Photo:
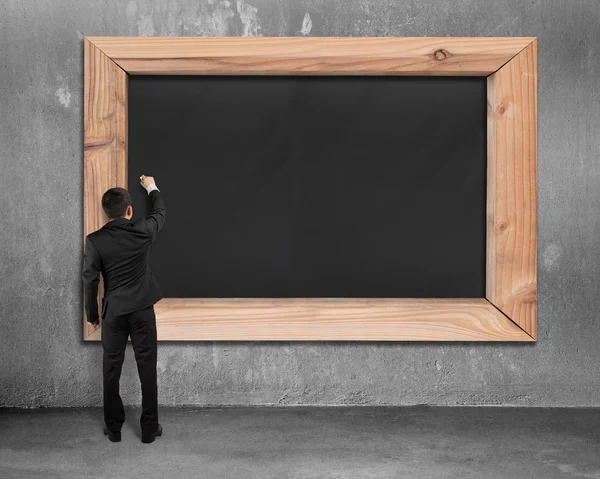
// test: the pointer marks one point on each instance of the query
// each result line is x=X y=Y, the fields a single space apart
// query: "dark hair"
x=115 y=202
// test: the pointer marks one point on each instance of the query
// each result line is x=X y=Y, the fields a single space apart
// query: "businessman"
x=119 y=250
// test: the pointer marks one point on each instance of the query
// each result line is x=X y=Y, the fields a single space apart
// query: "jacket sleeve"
x=156 y=219
x=92 y=266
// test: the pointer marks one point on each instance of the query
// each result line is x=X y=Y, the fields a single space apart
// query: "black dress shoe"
x=148 y=438
x=112 y=436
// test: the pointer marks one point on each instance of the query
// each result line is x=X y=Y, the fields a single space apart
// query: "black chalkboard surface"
x=313 y=186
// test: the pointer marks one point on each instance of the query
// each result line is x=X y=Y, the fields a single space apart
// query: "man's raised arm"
x=156 y=219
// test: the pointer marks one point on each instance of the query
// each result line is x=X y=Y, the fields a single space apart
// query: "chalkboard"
x=288 y=186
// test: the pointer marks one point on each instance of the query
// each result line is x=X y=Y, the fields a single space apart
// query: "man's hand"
x=146 y=181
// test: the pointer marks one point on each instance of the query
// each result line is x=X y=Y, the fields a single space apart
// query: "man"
x=120 y=251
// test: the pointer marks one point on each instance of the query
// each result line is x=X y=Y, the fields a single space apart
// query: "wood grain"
x=511 y=283
x=336 y=319
x=472 y=56
x=104 y=142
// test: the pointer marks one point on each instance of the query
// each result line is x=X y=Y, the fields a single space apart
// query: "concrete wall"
x=43 y=361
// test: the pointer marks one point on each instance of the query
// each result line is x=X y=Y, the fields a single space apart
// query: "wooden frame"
x=508 y=313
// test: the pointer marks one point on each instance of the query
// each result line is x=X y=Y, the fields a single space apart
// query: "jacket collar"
x=116 y=222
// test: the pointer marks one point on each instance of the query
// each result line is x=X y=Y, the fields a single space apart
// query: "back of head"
x=115 y=202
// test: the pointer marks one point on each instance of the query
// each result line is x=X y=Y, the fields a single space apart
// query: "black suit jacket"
x=120 y=250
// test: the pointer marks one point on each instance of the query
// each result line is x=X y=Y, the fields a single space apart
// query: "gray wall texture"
x=43 y=361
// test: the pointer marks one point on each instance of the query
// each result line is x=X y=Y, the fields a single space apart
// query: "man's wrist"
x=151 y=188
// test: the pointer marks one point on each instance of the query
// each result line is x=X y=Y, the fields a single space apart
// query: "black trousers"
x=141 y=326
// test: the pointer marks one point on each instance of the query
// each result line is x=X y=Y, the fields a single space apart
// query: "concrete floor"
x=306 y=442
